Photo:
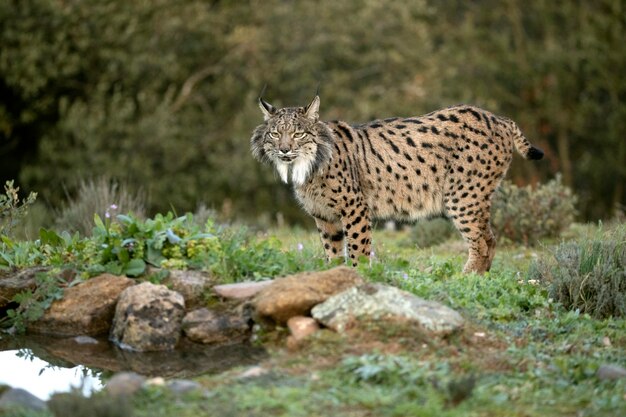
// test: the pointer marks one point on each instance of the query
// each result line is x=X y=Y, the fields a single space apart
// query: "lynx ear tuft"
x=267 y=109
x=312 y=110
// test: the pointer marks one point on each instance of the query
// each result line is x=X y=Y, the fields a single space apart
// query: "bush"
x=12 y=210
x=526 y=214
x=432 y=232
x=588 y=275
x=102 y=197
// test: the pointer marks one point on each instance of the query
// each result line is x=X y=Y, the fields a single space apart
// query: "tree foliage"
x=161 y=94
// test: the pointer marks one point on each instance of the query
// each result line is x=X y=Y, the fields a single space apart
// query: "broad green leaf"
x=135 y=268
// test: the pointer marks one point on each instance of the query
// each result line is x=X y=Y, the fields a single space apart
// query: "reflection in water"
x=20 y=369
x=43 y=365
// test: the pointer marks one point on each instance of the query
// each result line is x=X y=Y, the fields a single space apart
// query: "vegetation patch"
x=588 y=275
x=527 y=214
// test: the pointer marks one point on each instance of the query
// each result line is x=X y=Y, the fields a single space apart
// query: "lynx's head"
x=293 y=139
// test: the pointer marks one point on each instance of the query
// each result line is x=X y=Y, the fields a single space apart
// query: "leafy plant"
x=588 y=275
x=12 y=209
x=33 y=303
x=526 y=214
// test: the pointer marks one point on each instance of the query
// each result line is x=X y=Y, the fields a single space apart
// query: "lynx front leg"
x=331 y=234
x=357 y=228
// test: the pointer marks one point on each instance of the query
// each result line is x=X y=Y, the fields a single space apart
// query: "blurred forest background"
x=161 y=94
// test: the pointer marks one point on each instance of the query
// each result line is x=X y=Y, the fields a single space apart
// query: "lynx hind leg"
x=332 y=236
x=476 y=232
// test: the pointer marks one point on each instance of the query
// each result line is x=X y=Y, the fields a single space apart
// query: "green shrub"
x=12 y=209
x=526 y=214
x=103 y=197
x=588 y=275
x=431 y=232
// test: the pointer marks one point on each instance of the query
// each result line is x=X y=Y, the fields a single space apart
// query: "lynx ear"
x=267 y=109
x=312 y=110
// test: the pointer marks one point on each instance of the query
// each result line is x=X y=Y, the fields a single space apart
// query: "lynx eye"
x=299 y=135
x=274 y=135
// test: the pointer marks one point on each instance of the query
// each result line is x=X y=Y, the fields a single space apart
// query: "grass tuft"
x=101 y=196
x=588 y=275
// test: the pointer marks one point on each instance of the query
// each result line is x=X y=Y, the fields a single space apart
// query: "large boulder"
x=85 y=309
x=148 y=318
x=14 y=282
x=213 y=326
x=295 y=295
x=377 y=301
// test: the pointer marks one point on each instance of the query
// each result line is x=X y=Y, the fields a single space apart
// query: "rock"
x=19 y=398
x=183 y=386
x=379 y=301
x=240 y=290
x=610 y=372
x=210 y=326
x=13 y=282
x=125 y=384
x=85 y=340
x=192 y=285
x=148 y=318
x=295 y=295
x=253 y=372
x=301 y=327
x=85 y=309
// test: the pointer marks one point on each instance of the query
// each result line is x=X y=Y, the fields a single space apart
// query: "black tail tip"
x=534 y=153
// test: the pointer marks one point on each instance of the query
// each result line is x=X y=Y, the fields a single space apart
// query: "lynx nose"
x=284 y=148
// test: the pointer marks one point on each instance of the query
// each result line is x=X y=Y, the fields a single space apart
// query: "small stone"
x=295 y=295
x=18 y=397
x=292 y=343
x=192 y=285
x=157 y=381
x=606 y=341
x=253 y=372
x=125 y=384
x=301 y=327
x=148 y=318
x=183 y=386
x=211 y=326
x=610 y=372
x=240 y=290
x=85 y=340
x=377 y=301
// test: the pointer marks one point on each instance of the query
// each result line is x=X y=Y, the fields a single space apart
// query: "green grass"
x=520 y=354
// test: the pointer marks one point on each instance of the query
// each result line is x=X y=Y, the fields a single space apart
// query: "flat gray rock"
x=377 y=301
x=240 y=290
